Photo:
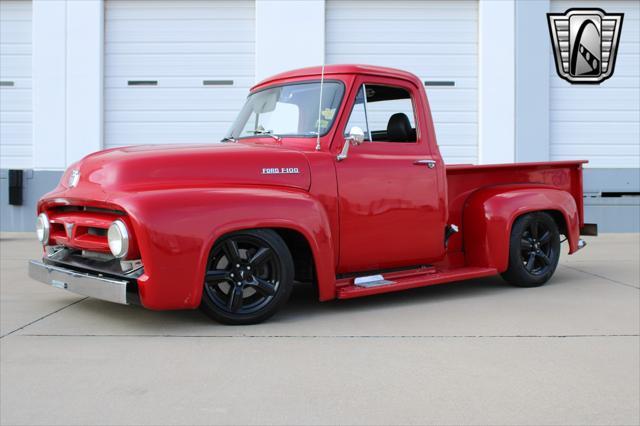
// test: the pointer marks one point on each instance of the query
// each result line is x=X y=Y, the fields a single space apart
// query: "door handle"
x=429 y=163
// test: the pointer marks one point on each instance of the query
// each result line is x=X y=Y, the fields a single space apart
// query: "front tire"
x=249 y=277
x=534 y=250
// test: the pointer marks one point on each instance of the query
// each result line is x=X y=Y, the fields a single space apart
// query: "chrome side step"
x=371 y=281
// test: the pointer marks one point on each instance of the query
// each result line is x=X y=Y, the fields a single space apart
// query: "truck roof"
x=340 y=69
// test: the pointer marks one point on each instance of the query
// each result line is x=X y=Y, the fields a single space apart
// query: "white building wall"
x=496 y=81
x=67 y=81
x=289 y=35
x=532 y=55
x=84 y=82
x=49 y=84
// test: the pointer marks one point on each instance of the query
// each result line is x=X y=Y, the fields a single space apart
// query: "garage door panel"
x=152 y=10
x=15 y=117
x=462 y=32
x=23 y=48
x=16 y=141
x=602 y=162
x=152 y=98
x=453 y=100
x=170 y=65
x=241 y=84
x=589 y=134
x=617 y=82
x=445 y=117
x=449 y=66
x=21 y=155
x=450 y=10
x=600 y=98
x=19 y=133
x=405 y=48
x=12 y=66
x=152 y=133
x=558 y=116
x=175 y=48
x=177 y=32
x=603 y=149
x=179 y=45
x=459 y=154
x=175 y=116
x=16 y=30
x=611 y=6
x=15 y=10
x=464 y=134
x=436 y=40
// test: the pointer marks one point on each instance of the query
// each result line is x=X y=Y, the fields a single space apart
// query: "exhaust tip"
x=581 y=244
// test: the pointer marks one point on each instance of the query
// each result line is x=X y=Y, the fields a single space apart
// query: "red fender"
x=176 y=230
x=489 y=214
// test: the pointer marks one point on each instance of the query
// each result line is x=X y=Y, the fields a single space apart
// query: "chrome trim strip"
x=108 y=289
x=366 y=113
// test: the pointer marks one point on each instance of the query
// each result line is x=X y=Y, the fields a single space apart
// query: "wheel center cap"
x=244 y=275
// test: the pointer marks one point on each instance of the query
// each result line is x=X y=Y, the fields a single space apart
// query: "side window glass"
x=358 y=117
x=390 y=114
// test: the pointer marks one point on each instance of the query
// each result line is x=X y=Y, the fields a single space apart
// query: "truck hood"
x=156 y=167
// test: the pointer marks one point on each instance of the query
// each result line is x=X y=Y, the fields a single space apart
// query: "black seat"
x=399 y=128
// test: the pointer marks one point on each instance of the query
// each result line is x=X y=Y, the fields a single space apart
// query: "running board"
x=426 y=277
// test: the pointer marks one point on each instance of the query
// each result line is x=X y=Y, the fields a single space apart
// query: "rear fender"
x=489 y=214
x=178 y=228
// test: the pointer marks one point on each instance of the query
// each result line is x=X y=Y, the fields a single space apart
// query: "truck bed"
x=464 y=179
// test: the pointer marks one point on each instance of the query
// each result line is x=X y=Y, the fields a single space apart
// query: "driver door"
x=388 y=194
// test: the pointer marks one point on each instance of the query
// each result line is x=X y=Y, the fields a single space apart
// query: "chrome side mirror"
x=355 y=138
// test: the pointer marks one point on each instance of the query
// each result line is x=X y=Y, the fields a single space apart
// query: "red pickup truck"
x=330 y=176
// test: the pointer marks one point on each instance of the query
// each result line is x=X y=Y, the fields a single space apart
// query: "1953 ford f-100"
x=330 y=176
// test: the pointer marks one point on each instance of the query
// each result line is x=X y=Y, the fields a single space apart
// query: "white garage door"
x=175 y=71
x=601 y=123
x=436 y=40
x=15 y=85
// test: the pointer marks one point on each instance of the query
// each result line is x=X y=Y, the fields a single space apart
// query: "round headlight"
x=118 y=238
x=42 y=228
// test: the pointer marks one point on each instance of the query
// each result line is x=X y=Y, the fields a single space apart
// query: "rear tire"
x=249 y=277
x=534 y=250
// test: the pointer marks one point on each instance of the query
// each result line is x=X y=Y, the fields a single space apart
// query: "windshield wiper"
x=266 y=133
x=229 y=139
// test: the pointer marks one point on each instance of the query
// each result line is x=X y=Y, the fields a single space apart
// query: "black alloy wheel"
x=249 y=277
x=534 y=250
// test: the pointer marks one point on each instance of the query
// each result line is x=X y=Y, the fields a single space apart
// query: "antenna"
x=318 y=147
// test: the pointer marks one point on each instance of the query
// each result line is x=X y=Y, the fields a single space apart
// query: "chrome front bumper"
x=110 y=289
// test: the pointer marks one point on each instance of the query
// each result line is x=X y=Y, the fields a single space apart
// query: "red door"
x=388 y=189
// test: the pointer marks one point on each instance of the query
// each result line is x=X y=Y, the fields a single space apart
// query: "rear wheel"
x=534 y=250
x=249 y=277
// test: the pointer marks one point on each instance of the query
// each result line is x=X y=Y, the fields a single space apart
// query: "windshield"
x=290 y=110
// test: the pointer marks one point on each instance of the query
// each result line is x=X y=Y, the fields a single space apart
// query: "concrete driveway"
x=477 y=352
